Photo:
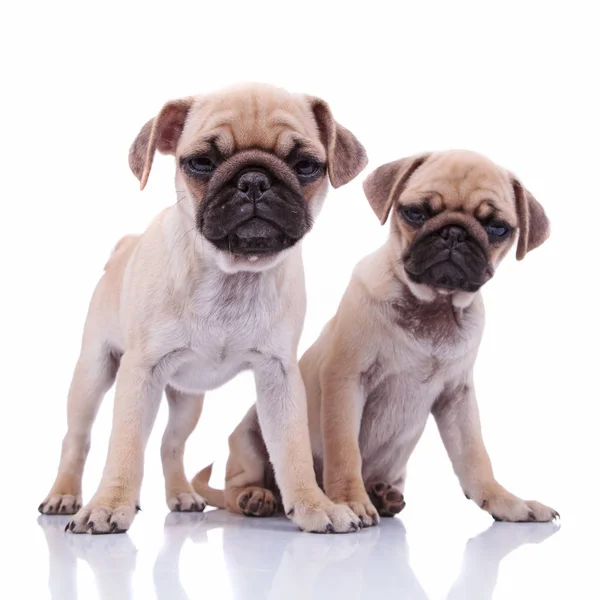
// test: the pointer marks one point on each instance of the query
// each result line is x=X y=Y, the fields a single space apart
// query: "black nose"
x=254 y=184
x=453 y=233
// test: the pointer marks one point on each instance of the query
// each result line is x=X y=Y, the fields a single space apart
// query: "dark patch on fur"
x=438 y=321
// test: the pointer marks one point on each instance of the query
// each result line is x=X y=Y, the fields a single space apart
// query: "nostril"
x=454 y=232
x=253 y=183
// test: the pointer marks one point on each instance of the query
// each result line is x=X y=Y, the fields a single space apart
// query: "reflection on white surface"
x=111 y=558
x=266 y=559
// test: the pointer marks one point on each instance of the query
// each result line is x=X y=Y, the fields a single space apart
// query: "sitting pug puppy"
x=213 y=287
x=404 y=341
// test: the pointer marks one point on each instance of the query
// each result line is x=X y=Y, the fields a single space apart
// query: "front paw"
x=103 y=517
x=364 y=509
x=185 y=501
x=504 y=506
x=324 y=517
x=60 y=504
x=360 y=504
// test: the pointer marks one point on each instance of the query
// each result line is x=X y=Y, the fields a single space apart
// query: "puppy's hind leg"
x=184 y=413
x=387 y=498
x=249 y=484
x=94 y=374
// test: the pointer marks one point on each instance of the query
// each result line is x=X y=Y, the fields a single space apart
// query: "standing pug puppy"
x=213 y=287
x=404 y=340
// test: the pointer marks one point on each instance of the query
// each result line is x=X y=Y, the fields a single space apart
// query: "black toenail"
x=532 y=516
x=178 y=506
x=72 y=525
x=67 y=526
x=113 y=526
x=243 y=501
x=330 y=528
x=41 y=507
x=90 y=524
x=137 y=508
x=63 y=509
x=290 y=513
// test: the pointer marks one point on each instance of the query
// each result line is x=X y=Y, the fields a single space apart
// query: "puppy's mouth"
x=450 y=262
x=255 y=237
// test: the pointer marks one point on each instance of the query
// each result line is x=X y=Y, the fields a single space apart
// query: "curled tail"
x=212 y=496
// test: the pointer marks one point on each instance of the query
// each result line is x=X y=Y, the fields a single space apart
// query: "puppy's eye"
x=415 y=215
x=307 y=168
x=201 y=165
x=497 y=231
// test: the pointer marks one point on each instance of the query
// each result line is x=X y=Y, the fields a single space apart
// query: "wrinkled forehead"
x=462 y=180
x=269 y=119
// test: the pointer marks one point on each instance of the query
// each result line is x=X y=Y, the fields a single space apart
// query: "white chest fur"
x=231 y=320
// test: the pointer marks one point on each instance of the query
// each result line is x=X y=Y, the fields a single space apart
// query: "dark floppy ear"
x=161 y=133
x=385 y=184
x=534 y=226
x=346 y=156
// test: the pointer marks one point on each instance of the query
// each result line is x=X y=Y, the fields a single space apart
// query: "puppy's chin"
x=253 y=263
x=427 y=293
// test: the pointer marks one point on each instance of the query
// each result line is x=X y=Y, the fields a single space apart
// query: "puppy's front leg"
x=457 y=418
x=282 y=413
x=137 y=399
x=342 y=405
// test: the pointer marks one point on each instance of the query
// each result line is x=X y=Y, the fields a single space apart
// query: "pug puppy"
x=405 y=337
x=213 y=287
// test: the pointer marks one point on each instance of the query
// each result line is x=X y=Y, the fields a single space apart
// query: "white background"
x=517 y=81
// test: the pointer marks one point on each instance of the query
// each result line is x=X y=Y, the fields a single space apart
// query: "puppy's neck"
x=435 y=317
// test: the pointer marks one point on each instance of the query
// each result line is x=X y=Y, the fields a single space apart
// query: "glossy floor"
x=218 y=555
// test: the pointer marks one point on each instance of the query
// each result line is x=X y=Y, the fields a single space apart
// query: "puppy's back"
x=122 y=251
